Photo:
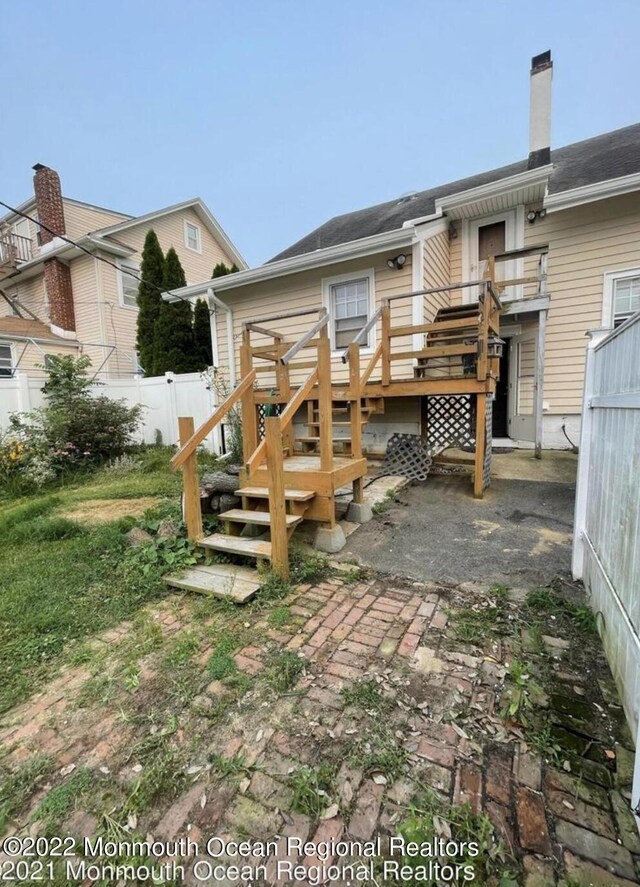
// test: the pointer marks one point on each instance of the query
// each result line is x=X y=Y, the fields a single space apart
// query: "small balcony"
x=14 y=250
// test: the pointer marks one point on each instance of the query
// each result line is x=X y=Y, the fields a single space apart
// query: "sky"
x=283 y=113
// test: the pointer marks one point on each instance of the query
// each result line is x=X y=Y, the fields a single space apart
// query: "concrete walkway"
x=520 y=533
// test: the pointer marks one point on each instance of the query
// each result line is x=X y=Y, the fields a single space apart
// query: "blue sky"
x=282 y=114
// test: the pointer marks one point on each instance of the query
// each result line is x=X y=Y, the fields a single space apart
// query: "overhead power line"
x=18 y=212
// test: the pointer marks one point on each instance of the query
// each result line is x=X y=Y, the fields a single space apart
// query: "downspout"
x=232 y=355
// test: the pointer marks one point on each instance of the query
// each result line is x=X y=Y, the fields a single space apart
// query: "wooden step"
x=237 y=584
x=334 y=424
x=263 y=493
x=259 y=518
x=237 y=545
x=317 y=440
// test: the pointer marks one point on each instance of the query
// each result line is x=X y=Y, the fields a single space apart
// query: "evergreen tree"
x=174 y=349
x=149 y=301
x=221 y=269
x=202 y=335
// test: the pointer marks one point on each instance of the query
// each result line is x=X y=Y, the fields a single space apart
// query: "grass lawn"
x=61 y=580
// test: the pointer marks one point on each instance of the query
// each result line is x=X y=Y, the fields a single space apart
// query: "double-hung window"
x=192 y=237
x=349 y=300
x=6 y=361
x=621 y=296
x=129 y=283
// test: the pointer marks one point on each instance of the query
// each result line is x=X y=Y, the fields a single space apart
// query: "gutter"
x=591 y=193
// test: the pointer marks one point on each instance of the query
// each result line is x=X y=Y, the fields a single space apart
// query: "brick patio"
x=559 y=819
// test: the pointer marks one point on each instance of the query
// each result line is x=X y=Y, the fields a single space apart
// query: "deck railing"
x=14 y=248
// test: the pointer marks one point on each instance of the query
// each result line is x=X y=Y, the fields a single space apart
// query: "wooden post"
x=385 y=332
x=190 y=483
x=283 y=379
x=483 y=336
x=277 y=505
x=249 y=418
x=481 y=442
x=356 y=416
x=325 y=404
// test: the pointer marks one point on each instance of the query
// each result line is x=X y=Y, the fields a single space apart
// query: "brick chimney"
x=57 y=276
x=540 y=110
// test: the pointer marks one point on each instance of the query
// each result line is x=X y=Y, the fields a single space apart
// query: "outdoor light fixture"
x=397 y=262
x=495 y=346
x=534 y=214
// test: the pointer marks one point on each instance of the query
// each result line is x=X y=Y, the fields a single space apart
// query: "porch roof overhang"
x=525 y=187
x=65 y=251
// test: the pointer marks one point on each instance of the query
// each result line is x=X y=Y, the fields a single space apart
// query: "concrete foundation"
x=330 y=539
x=359 y=512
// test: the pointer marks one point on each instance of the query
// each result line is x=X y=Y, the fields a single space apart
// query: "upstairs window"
x=6 y=361
x=129 y=284
x=192 y=237
x=626 y=298
x=349 y=299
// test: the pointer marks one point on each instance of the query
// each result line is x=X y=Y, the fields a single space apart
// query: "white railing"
x=14 y=248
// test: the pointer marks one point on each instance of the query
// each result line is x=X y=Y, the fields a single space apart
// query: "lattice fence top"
x=264 y=410
x=449 y=422
x=407 y=455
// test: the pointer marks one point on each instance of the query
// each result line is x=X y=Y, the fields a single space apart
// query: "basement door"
x=522 y=380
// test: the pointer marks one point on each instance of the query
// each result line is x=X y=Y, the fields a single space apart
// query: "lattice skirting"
x=407 y=455
x=274 y=410
x=451 y=422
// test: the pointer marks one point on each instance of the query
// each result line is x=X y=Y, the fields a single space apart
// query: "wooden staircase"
x=341 y=419
x=451 y=348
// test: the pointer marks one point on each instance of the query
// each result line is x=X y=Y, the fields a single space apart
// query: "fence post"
x=481 y=443
x=172 y=402
x=277 y=506
x=584 y=455
x=190 y=483
x=23 y=392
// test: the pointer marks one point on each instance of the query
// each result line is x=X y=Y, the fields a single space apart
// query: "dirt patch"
x=104 y=511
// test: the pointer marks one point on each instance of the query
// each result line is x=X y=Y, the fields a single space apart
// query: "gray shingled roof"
x=604 y=157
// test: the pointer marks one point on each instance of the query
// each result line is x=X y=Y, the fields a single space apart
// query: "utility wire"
x=68 y=240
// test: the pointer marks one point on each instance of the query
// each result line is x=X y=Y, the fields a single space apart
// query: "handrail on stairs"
x=303 y=340
x=188 y=448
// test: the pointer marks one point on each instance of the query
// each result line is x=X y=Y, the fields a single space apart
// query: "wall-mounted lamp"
x=534 y=214
x=495 y=346
x=397 y=262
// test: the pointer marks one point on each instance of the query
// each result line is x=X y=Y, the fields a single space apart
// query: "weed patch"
x=17 y=787
x=61 y=800
x=364 y=694
x=312 y=789
x=283 y=671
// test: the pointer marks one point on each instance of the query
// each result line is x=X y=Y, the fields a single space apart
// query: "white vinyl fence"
x=163 y=399
x=606 y=546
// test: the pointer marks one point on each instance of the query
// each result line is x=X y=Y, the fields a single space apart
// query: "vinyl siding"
x=81 y=219
x=436 y=273
x=33 y=357
x=31 y=294
x=584 y=243
x=300 y=291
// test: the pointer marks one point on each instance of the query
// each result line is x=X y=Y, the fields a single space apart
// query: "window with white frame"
x=6 y=361
x=349 y=299
x=621 y=296
x=192 y=237
x=129 y=282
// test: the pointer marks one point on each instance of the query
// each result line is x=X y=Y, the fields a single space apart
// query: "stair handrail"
x=303 y=340
x=357 y=339
x=199 y=435
x=371 y=365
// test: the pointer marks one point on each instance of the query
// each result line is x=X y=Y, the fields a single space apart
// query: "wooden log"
x=277 y=504
x=190 y=484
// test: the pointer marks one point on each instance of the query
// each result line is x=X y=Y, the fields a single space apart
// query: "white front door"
x=522 y=386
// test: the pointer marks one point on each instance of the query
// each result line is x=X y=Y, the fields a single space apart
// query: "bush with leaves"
x=74 y=429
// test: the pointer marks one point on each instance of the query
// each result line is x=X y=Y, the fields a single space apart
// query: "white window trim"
x=607 y=292
x=129 y=264
x=186 y=238
x=514 y=239
x=327 y=283
x=12 y=358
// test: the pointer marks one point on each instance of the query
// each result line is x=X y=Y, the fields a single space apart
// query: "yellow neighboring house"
x=567 y=219
x=56 y=299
